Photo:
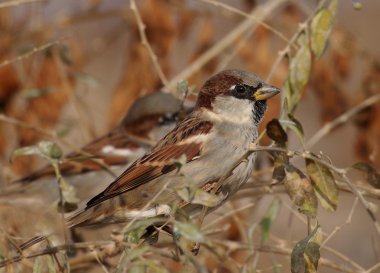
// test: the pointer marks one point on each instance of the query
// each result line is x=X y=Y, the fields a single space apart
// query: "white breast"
x=227 y=142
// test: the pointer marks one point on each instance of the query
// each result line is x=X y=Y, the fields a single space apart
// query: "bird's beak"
x=265 y=92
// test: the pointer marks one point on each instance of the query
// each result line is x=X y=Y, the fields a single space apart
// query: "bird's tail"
x=84 y=216
x=94 y=214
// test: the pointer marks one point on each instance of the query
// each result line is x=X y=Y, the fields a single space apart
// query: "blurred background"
x=76 y=67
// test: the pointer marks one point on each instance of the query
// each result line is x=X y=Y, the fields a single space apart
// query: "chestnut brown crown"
x=237 y=83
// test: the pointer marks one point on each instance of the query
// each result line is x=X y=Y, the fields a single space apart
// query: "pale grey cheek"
x=232 y=109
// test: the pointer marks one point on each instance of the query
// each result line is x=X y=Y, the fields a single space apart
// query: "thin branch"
x=260 y=13
x=365 y=203
x=247 y=15
x=373 y=268
x=328 y=127
x=18 y=2
x=145 y=42
x=302 y=27
x=52 y=135
x=29 y=53
x=338 y=228
x=339 y=171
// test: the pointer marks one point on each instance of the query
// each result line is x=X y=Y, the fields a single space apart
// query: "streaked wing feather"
x=159 y=161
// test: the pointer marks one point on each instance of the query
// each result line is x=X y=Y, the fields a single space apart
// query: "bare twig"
x=29 y=53
x=338 y=228
x=18 y=2
x=260 y=13
x=328 y=127
x=145 y=42
x=339 y=171
x=52 y=135
x=247 y=15
x=302 y=27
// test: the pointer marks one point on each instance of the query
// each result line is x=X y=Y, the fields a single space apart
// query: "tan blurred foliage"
x=139 y=76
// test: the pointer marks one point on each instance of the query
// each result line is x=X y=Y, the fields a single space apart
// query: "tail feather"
x=96 y=213
x=84 y=216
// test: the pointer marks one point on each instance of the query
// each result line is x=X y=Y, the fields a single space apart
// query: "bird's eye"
x=240 y=89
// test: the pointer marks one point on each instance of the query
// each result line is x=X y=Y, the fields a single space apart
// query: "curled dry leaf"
x=299 y=72
x=324 y=184
x=189 y=230
x=305 y=254
x=135 y=231
x=301 y=191
x=295 y=126
x=370 y=173
x=276 y=132
x=199 y=196
x=46 y=149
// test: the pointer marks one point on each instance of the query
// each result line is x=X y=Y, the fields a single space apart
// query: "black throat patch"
x=259 y=110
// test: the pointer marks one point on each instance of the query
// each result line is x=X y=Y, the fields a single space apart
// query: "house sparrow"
x=148 y=120
x=212 y=140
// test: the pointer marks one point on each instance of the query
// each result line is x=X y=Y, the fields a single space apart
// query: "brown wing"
x=78 y=163
x=159 y=161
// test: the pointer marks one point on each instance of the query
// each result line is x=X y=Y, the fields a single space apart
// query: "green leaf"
x=305 y=254
x=333 y=7
x=299 y=72
x=199 y=196
x=50 y=264
x=320 y=31
x=128 y=256
x=38 y=265
x=138 y=228
x=135 y=235
x=46 y=149
x=183 y=87
x=301 y=191
x=324 y=184
x=87 y=79
x=276 y=132
x=35 y=93
x=269 y=218
x=295 y=126
x=50 y=149
x=28 y=150
x=189 y=230
x=370 y=173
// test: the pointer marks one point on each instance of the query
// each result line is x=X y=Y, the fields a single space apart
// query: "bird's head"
x=234 y=92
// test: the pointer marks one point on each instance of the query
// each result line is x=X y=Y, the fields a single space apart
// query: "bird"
x=212 y=139
x=104 y=158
